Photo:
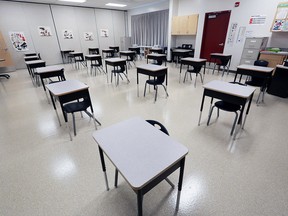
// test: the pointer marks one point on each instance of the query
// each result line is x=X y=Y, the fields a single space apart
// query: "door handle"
x=222 y=44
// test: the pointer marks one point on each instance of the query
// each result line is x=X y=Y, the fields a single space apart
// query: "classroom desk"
x=31 y=58
x=93 y=51
x=196 y=63
x=129 y=54
x=30 y=54
x=157 y=57
x=31 y=66
x=229 y=92
x=220 y=58
x=279 y=82
x=7 y=76
x=115 y=62
x=151 y=70
x=156 y=50
x=255 y=71
x=50 y=71
x=65 y=54
x=68 y=91
x=94 y=58
x=109 y=53
x=142 y=162
x=179 y=53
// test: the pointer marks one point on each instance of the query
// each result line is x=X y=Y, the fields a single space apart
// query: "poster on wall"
x=104 y=32
x=257 y=20
x=231 y=35
x=278 y=25
x=18 y=41
x=67 y=34
x=88 y=36
x=44 y=31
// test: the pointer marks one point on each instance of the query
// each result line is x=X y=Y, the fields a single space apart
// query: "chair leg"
x=214 y=68
x=165 y=91
x=234 y=124
x=169 y=182
x=210 y=114
x=184 y=77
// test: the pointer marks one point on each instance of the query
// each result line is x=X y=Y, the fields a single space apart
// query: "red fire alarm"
x=237 y=4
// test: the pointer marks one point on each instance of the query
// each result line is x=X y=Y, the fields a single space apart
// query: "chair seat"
x=75 y=107
x=229 y=107
x=154 y=82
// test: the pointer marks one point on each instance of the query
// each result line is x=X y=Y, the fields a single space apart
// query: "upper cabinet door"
x=185 y=25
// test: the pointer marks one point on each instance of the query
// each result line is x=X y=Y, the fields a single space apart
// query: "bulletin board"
x=280 y=22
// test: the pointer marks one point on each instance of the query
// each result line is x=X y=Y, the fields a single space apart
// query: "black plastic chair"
x=79 y=106
x=228 y=107
x=258 y=81
x=97 y=64
x=196 y=70
x=155 y=82
x=118 y=70
x=224 y=62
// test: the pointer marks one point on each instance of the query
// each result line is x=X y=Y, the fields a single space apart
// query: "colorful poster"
x=67 y=34
x=18 y=41
x=44 y=31
x=278 y=25
x=104 y=32
x=257 y=20
x=88 y=36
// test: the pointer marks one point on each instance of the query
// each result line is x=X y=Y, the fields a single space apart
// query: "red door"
x=214 y=33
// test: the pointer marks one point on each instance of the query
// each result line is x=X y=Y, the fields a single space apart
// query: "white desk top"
x=230 y=88
x=127 y=51
x=194 y=59
x=34 y=62
x=140 y=151
x=107 y=50
x=151 y=67
x=220 y=54
x=75 y=53
x=115 y=60
x=282 y=66
x=51 y=68
x=92 y=55
x=255 y=68
x=181 y=50
x=29 y=57
x=66 y=87
x=156 y=54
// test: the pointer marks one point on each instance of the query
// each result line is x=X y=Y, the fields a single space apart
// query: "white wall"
x=240 y=15
x=26 y=17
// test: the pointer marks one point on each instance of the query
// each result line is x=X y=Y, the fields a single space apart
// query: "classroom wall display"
x=44 y=31
x=104 y=32
x=67 y=34
x=88 y=36
x=280 y=22
x=18 y=41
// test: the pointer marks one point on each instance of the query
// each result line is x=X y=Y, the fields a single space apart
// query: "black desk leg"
x=137 y=84
x=239 y=124
x=180 y=72
x=201 y=108
x=54 y=106
x=182 y=164
x=140 y=202
x=103 y=166
x=247 y=111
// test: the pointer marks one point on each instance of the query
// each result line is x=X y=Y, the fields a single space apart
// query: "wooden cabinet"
x=185 y=25
x=273 y=59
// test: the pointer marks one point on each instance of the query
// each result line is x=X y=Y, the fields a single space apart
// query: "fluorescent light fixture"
x=75 y=1
x=115 y=5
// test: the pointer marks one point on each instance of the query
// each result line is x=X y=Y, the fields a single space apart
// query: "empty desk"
x=67 y=91
x=255 y=71
x=151 y=70
x=65 y=55
x=179 y=53
x=220 y=59
x=109 y=53
x=115 y=63
x=141 y=161
x=196 y=63
x=156 y=50
x=95 y=61
x=279 y=82
x=31 y=66
x=93 y=50
x=31 y=58
x=157 y=57
x=130 y=56
x=30 y=54
x=233 y=93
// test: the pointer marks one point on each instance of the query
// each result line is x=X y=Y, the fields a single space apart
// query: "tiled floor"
x=43 y=173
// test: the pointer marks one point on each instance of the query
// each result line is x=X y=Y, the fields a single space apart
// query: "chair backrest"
x=187 y=46
x=160 y=79
x=262 y=63
x=158 y=125
x=79 y=57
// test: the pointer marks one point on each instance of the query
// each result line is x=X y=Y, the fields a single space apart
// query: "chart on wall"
x=44 y=31
x=88 y=36
x=67 y=34
x=18 y=41
x=280 y=22
x=104 y=32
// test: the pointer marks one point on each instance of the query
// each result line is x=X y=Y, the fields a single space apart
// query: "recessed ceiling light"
x=115 y=5
x=76 y=1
